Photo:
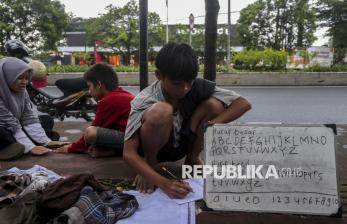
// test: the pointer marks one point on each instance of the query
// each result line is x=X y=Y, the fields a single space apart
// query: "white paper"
x=191 y=213
x=198 y=187
x=158 y=208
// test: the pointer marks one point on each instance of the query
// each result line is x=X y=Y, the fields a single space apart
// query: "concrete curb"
x=241 y=79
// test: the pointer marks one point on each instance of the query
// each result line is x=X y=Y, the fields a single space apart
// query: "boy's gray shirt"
x=153 y=94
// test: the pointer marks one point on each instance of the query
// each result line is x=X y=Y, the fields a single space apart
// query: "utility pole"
x=167 y=21
x=229 y=36
x=191 y=27
x=212 y=9
x=143 y=44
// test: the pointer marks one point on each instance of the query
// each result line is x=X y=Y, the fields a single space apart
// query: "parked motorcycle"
x=69 y=97
x=51 y=100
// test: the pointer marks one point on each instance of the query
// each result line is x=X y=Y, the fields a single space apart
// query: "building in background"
x=322 y=56
x=76 y=51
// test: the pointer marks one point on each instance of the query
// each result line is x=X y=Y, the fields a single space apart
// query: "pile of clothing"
x=39 y=195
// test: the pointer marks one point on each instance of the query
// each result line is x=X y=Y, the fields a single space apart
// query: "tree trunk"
x=127 y=58
x=300 y=23
x=128 y=48
x=276 y=30
x=212 y=9
x=301 y=30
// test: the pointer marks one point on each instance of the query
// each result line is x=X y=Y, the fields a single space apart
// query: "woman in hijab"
x=18 y=121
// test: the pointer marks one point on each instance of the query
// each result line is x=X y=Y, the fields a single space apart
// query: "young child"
x=167 y=118
x=39 y=78
x=20 y=128
x=105 y=136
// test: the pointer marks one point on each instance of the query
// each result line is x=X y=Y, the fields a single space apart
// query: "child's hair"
x=103 y=73
x=39 y=71
x=177 y=62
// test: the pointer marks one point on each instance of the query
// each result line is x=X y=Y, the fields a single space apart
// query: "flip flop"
x=12 y=151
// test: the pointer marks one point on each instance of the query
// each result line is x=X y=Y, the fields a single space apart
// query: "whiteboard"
x=290 y=149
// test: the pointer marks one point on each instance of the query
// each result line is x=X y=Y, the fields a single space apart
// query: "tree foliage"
x=114 y=31
x=76 y=24
x=118 y=29
x=277 y=24
x=333 y=14
x=38 y=23
x=264 y=60
x=180 y=34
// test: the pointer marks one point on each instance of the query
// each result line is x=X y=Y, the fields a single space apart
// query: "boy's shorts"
x=171 y=153
x=109 y=138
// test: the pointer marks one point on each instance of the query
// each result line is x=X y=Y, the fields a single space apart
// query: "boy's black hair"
x=177 y=62
x=103 y=73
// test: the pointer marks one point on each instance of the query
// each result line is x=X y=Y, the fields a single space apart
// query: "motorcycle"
x=53 y=101
x=68 y=98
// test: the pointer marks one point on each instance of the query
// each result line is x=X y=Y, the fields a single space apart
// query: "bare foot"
x=142 y=185
x=94 y=152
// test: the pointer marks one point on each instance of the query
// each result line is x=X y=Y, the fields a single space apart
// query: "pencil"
x=173 y=176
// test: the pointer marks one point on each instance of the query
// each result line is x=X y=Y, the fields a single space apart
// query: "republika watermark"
x=234 y=171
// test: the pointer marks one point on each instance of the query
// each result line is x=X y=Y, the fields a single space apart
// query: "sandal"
x=12 y=151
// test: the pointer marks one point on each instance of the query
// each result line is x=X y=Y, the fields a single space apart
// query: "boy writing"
x=105 y=136
x=166 y=119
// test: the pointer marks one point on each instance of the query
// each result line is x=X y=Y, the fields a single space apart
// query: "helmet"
x=16 y=48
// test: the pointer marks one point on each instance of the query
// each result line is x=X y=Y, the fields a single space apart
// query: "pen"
x=173 y=176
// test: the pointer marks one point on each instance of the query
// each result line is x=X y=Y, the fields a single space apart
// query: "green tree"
x=333 y=14
x=179 y=33
x=95 y=30
x=38 y=23
x=76 y=24
x=118 y=29
x=278 y=24
x=305 y=21
x=156 y=31
x=251 y=24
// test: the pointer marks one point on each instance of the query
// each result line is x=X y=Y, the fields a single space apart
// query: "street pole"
x=167 y=21
x=143 y=44
x=211 y=8
x=229 y=36
x=190 y=37
x=191 y=27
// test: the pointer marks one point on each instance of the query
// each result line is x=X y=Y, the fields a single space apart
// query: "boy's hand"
x=142 y=185
x=176 y=189
x=63 y=149
x=56 y=144
x=39 y=150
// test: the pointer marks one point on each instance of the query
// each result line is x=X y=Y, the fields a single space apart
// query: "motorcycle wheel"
x=87 y=117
